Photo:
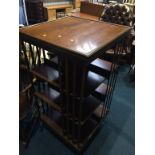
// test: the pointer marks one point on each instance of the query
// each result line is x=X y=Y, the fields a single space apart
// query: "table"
x=77 y=42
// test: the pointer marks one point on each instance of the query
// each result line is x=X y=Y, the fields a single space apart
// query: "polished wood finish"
x=76 y=42
x=77 y=36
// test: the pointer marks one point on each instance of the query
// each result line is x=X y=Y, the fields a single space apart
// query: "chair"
x=120 y=14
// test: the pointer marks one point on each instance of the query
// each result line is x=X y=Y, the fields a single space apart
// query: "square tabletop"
x=77 y=36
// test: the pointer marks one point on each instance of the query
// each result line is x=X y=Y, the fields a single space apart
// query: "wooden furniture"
x=84 y=16
x=75 y=112
x=54 y=9
x=77 y=4
x=89 y=11
x=36 y=13
x=39 y=65
x=92 y=9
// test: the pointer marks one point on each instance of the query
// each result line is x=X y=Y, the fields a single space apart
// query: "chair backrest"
x=91 y=9
x=119 y=14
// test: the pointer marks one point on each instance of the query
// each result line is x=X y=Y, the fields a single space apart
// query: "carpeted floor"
x=116 y=137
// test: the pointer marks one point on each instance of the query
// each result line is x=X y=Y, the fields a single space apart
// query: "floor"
x=116 y=137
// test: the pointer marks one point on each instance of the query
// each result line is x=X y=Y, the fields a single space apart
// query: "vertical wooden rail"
x=74 y=101
x=61 y=91
x=44 y=83
x=82 y=89
x=44 y=57
x=67 y=96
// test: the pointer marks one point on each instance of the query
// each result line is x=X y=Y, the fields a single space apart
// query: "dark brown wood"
x=67 y=115
x=74 y=101
x=51 y=97
x=100 y=91
x=92 y=9
x=88 y=130
x=79 y=42
x=54 y=123
x=98 y=111
x=88 y=106
x=74 y=36
x=101 y=67
x=46 y=73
